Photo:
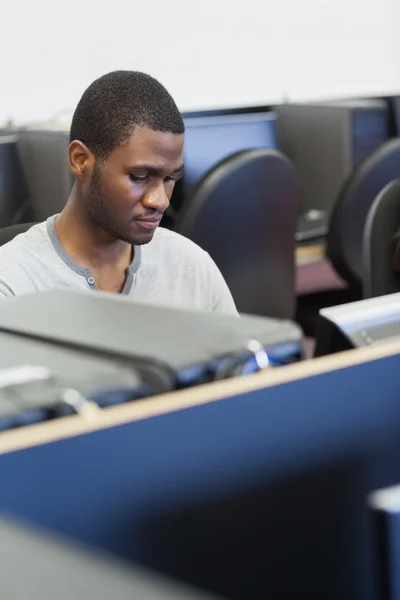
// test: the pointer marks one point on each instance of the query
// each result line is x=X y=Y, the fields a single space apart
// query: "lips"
x=149 y=223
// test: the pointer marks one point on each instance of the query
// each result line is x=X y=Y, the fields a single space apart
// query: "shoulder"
x=18 y=258
x=184 y=259
x=172 y=248
x=23 y=244
x=164 y=239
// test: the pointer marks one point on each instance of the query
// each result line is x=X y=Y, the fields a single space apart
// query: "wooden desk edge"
x=50 y=431
x=310 y=254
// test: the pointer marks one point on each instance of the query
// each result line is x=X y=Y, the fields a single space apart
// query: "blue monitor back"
x=208 y=140
x=261 y=495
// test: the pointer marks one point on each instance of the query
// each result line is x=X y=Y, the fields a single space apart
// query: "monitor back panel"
x=259 y=495
x=208 y=140
x=326 y=142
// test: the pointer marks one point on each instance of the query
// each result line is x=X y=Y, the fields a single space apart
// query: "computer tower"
x=211 y=139
x=178 y=347
x=40 y=381
x=44 y=156
x=358 y=324
x=326 y=141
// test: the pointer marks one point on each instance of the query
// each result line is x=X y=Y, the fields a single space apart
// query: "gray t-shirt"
x=171 y=270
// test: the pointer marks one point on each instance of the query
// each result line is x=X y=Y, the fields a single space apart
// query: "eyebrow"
x=154 y=170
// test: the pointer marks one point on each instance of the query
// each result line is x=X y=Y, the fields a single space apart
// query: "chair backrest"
x=243 y=213
x=346 y=230
x=8 y=233
x=383 y=222
x=44 y=156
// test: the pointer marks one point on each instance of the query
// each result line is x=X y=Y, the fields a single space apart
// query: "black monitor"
x=217 y=112
x=207 y=346
x=208 y=140
x=14 y=201
x=358 y=324
x=326 y=141
x=259 y=495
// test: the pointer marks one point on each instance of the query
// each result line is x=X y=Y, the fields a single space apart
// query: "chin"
x=139 y=239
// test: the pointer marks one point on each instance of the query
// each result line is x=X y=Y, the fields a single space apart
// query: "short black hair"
x=115 y=103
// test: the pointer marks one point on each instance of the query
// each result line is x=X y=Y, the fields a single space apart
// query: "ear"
x=80 y=160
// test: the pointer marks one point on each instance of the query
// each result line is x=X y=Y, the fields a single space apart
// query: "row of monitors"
x=325 y=141
x=150 y=367
x=262 y=495
x=208 y=140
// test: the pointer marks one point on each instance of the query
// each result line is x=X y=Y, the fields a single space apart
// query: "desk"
x=254 y=486
x=314 y=272
x=310 y=253
x=49 y=431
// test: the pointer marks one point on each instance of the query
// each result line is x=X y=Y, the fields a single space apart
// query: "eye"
x=138 y=179
x=175 y=177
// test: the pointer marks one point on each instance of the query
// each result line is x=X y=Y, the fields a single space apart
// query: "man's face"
x=131 y=189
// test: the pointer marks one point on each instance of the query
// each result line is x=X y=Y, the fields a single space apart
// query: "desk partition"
x=252 y=488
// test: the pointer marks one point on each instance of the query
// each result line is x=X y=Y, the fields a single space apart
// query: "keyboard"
x=312 y=225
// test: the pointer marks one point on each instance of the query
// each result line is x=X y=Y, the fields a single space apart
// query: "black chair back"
x=243 y=213
x=380 y=240
x=346 y=230
x=8 y=233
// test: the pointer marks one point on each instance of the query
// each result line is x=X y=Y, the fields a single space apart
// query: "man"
x=125 y=154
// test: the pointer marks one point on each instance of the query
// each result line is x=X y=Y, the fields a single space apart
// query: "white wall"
x=393 y=11
x=224 y=53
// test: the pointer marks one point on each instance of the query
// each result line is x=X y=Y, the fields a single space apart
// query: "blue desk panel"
x=256 y=496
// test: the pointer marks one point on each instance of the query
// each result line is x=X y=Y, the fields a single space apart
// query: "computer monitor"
x=358 y=324
x=217 y=112
x=326 y=141
x=14 y=200
x=257 y=495
x=208 y=140
x=206 y=346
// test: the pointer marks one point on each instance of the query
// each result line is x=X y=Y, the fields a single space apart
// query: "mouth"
x=149 y=223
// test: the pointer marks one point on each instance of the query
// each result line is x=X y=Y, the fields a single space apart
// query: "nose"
x=156 y=198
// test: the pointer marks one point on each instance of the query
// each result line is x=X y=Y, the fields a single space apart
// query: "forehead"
x=150 y=147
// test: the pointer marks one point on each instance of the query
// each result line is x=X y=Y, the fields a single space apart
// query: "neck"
x=86 y=242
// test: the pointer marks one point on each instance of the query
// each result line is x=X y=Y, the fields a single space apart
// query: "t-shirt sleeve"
x=222 y=301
